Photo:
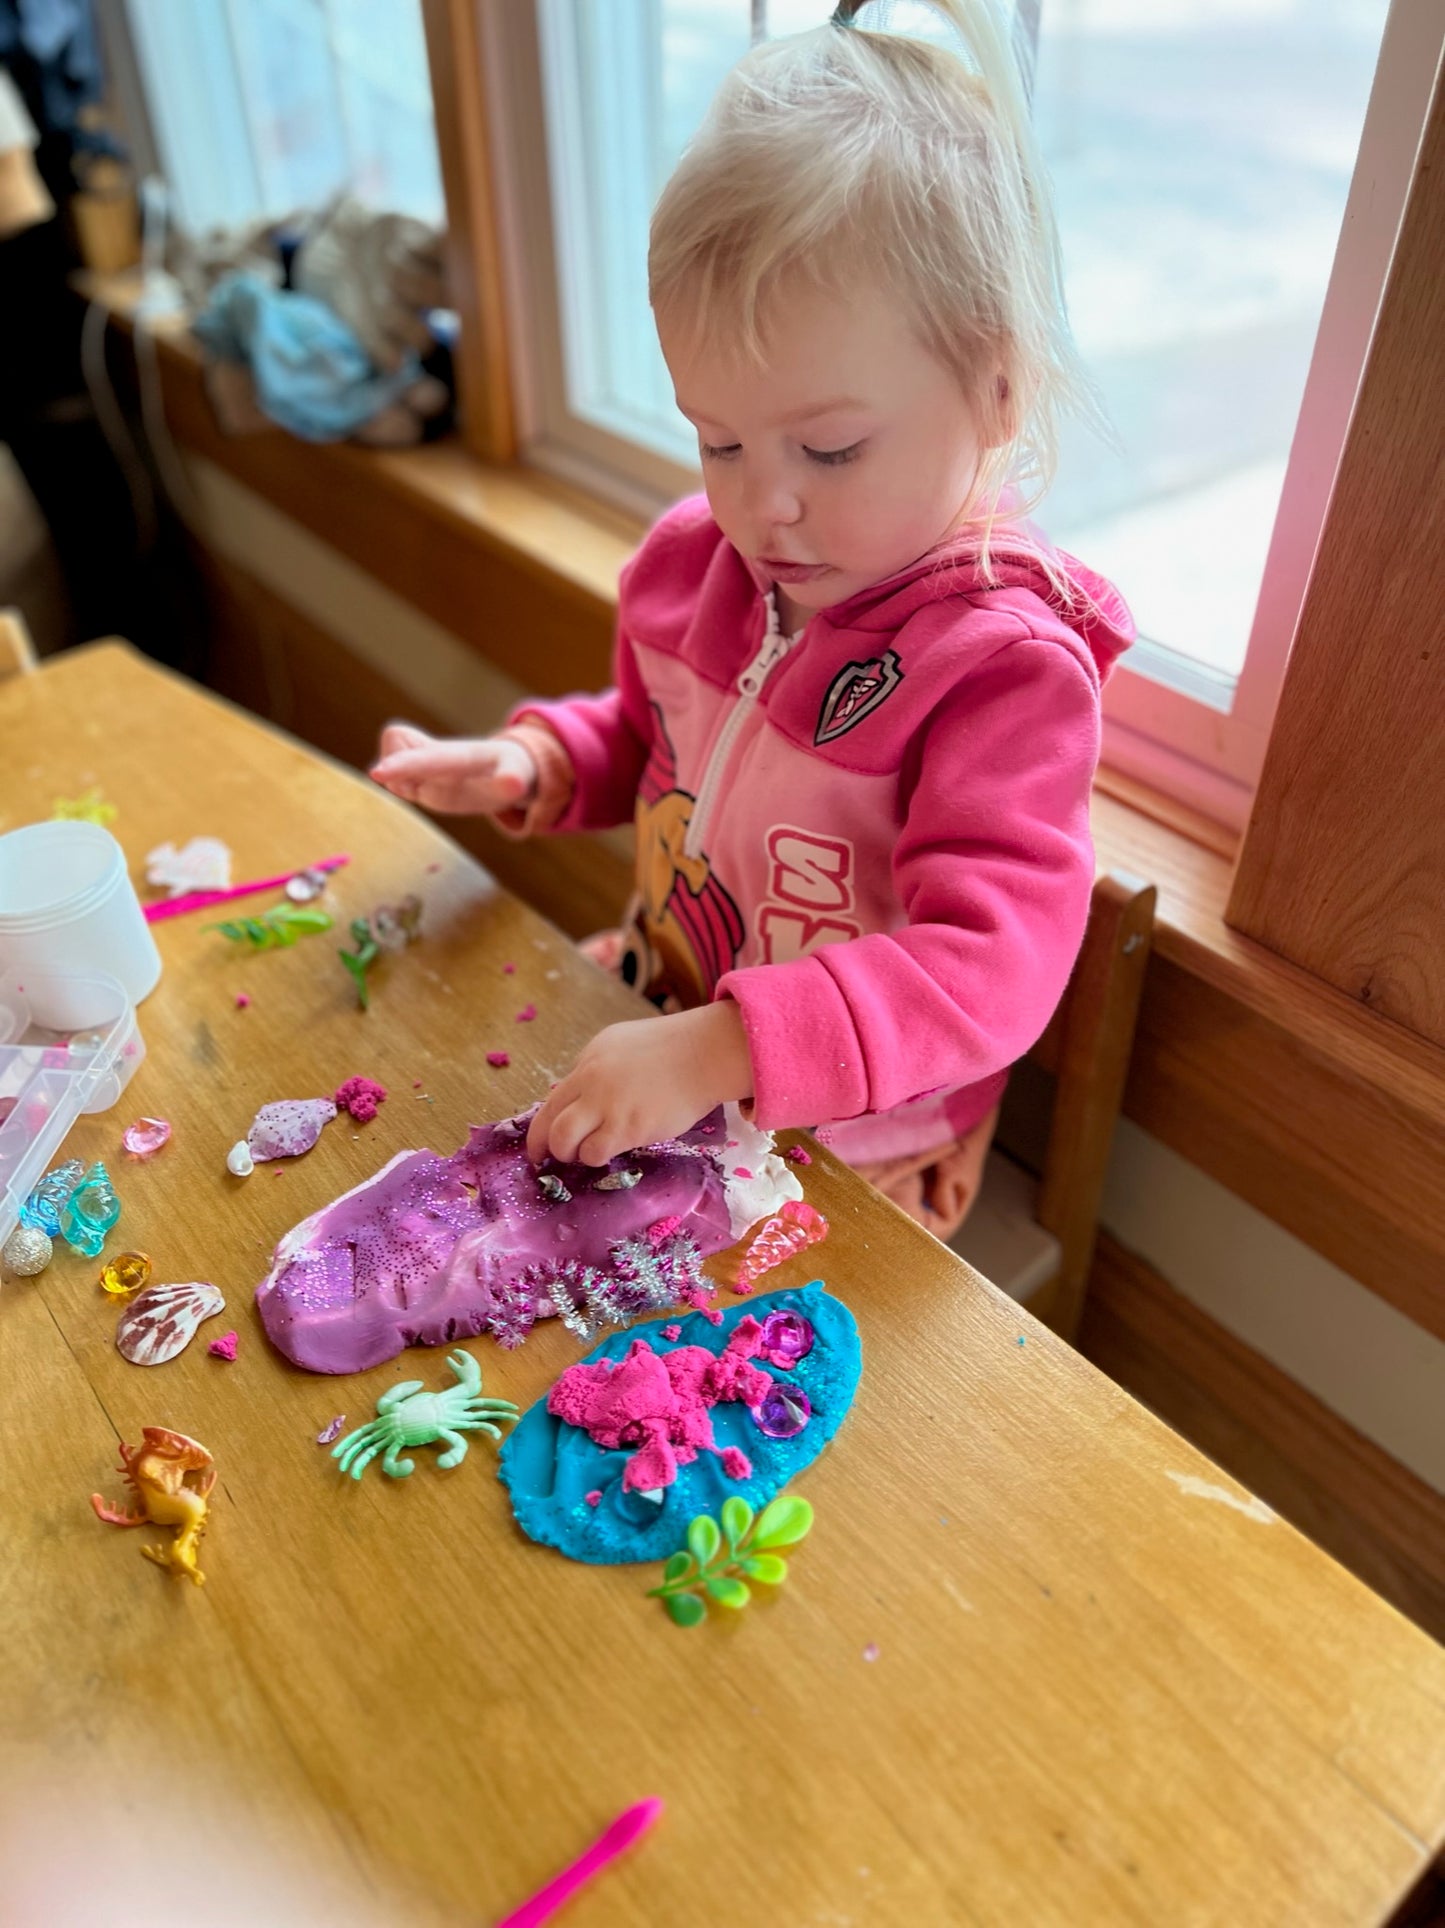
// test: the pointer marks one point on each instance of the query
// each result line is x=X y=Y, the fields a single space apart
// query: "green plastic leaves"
x=390 y=927
x=274 y=929
x=719 y=1560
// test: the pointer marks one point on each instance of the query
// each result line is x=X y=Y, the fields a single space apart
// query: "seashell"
x=161 y=1321
x=618 y=1182
x=553 y=1188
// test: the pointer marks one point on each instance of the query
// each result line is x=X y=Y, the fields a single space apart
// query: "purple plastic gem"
x=787 y=1337
x=783 y=1413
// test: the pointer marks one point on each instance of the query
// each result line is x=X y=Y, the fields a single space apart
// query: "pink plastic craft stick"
x=203 y=899
x=626 y=1829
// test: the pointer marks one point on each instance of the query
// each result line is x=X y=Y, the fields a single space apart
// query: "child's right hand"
x=462 y=776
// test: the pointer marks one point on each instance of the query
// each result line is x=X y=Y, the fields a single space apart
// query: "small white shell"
x=239 y=1162
x=161 y=1321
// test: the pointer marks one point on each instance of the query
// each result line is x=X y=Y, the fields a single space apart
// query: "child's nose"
x=772 y=501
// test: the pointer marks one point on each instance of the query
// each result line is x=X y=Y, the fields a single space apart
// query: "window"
x=1204 y=159
x=262 y=107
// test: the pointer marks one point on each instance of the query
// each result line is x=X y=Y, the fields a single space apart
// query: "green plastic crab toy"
x=408 y=1416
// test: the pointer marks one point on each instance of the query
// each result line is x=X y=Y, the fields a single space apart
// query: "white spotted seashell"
x=239 y=1162
x=161 y=1321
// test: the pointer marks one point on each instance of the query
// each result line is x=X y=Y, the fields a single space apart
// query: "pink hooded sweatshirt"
x=874 y=835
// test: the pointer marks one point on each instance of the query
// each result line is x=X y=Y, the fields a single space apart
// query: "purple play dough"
x=414 y=1255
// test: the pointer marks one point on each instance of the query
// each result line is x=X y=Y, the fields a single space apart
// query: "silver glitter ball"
x=26 y=1251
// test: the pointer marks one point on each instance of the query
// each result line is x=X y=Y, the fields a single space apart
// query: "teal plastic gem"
x=43 y=1207
x=90 y=1212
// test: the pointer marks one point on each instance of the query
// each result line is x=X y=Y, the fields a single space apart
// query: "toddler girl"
x=856 y=710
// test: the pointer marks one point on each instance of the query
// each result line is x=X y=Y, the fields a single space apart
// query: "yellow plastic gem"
x=89 y=807
x=126 y=1272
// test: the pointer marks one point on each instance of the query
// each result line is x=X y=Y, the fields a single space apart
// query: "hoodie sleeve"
x=994 y=867
x=606 y=739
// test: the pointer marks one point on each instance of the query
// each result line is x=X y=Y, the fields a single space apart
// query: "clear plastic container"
x=68 y=909
x=48 y=1078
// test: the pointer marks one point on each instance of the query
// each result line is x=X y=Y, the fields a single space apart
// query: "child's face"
x=845 y=457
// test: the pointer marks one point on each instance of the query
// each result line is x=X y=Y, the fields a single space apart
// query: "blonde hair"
x=907 y=164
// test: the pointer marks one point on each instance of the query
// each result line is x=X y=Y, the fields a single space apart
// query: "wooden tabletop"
x=1038 y=1663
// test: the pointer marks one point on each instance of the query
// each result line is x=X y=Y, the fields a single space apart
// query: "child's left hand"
x=643 y=1080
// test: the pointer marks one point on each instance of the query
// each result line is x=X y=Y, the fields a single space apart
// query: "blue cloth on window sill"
x=313 y=377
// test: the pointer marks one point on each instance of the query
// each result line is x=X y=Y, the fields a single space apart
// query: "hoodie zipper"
x=750 y=686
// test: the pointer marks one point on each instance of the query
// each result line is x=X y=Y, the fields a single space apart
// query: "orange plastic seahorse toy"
x=172 y=1476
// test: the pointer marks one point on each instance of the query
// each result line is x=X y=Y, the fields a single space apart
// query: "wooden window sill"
x=525 y=569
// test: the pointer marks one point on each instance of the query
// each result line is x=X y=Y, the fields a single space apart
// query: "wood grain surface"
x=1107 y=1687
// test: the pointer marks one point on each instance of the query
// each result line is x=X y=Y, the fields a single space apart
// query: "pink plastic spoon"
x=613 y=1841
x=204 y=899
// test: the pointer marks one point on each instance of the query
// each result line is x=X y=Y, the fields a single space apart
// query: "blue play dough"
x=549 y=1467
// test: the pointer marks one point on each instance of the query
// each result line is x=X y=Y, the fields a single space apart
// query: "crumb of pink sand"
x=594 y=1498
x=224 y=1347
x=797 y=1154
x=243 y=1002
x=361 y=1097
x=662 y=1228
x=735 y=1463
x=498 y=1058
x=526 y=1014
x=673 y=1332
x=508 y=970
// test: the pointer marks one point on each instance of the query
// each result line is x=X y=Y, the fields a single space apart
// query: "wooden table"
x=1038 y=1663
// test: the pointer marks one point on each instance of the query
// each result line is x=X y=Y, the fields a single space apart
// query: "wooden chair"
x=17 y=652
x=1087 y=1047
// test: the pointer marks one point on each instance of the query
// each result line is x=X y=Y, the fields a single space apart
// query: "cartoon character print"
x=683 y=929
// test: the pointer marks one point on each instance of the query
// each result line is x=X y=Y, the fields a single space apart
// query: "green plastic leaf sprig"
x=274 y=929
x=719 y=1560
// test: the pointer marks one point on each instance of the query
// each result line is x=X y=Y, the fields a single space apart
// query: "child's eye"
x=830 y=458
x=712 y=454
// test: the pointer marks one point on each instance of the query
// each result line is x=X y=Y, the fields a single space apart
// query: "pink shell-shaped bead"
x=161 y=1321
x=145 y=1137
x=288 y=1127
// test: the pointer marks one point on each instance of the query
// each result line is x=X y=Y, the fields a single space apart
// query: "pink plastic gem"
x=224 y=1347
x=498 y=1058
x=786 y=1338
x=526 y=1014
x=145 y=1137
x=794 y=1227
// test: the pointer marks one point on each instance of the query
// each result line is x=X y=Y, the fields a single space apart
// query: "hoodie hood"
x=1022 y=558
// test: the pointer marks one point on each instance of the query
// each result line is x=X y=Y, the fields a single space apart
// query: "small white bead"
x=239 y=1161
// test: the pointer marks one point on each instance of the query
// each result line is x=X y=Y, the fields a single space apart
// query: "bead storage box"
x=49 y=1078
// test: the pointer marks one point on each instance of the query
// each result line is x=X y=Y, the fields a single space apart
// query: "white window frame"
x=1202 y=749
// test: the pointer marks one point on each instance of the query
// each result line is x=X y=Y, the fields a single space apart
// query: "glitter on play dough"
x=126 y=1272
x=145 y=1137
x=288 y=1127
